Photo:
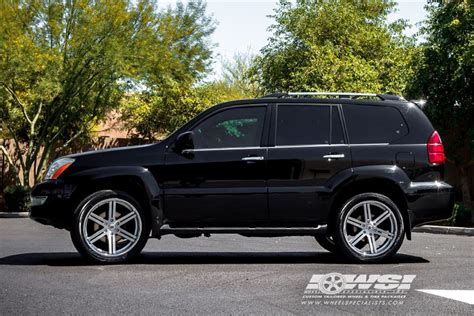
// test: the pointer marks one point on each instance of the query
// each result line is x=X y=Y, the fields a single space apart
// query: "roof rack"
x=275 y=95
x=347 y=95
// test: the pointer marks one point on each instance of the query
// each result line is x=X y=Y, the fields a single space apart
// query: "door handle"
x=334 y=156
x=253 y=158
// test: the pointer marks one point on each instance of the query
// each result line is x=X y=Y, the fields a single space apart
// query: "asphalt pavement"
x=41 y=273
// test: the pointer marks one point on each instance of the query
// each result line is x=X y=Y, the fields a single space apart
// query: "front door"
x=309 y=148
x=222 y=181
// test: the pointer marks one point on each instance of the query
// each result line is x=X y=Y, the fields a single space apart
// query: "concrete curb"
x=448 y=230
x=14 y=214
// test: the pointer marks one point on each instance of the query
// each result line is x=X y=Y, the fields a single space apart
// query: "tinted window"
x=238 y=127
x=302 y=125
x=337 y=136
x=374 y=124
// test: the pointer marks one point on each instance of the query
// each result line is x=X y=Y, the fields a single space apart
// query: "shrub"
x=461 y=216
x=17 y=198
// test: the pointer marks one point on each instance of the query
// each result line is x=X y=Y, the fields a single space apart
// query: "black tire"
x=388 y=246
x=139 y=219
x=327 y=242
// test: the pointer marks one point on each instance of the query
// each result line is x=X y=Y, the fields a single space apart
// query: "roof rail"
x=348 y=95
x=336 y=94
x=391 y=97
x=275 y=95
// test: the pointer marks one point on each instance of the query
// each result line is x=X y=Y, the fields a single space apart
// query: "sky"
x=242 y=26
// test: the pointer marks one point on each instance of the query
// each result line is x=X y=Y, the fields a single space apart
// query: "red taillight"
x=435 y=149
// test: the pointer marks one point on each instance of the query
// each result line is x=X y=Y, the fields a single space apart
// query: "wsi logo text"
x=335 y=283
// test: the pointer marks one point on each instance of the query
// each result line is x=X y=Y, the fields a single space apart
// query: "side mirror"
x=183 y=142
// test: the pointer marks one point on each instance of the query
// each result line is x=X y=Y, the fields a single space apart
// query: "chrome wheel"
x=111 y=227
x=370 y=228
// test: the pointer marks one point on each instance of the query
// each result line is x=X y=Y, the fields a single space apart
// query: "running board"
x=249 y=231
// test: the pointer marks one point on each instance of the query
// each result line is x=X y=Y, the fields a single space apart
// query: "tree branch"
x=35 y=119
x=45 y=157
x=70 y=140
x=18 y=148
x=15 y=97
x=10 y=162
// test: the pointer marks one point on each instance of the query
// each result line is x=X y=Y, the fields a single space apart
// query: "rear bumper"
x=51 y=204
x=429 y=201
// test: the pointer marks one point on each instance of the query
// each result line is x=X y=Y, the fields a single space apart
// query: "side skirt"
x=187 y=232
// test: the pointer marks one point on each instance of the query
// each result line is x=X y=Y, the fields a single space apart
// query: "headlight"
x=58 y=167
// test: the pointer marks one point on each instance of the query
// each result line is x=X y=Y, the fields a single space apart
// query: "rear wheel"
x=110 y=226
x=369 y=228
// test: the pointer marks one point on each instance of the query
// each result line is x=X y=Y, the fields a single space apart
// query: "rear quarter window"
x=374 y=124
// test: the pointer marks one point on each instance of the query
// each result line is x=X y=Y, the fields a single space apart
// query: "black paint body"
x=290 y=186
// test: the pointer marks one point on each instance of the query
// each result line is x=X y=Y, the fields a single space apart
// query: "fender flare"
x=143 y=175
x=390 y=173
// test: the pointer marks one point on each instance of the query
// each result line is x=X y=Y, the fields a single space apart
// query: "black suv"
x=356 y=171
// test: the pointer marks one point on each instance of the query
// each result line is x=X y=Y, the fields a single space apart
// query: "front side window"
x=232 y=128
x=302 y=125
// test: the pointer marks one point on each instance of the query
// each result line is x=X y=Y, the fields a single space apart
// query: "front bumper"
x=429 y=201
x=51 y=203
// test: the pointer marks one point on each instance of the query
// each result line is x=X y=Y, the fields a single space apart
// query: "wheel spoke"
x=372 y=233
x=125 y=234
x=355 y=222
x=111 y=237
x=383 y=233
x=357 y=238
x=97 y=235
x=372 y=243
x=112 y=209
x=126 y=218
x=105 y=222
x=367 y=213
x=381 y=218
x=97 y=219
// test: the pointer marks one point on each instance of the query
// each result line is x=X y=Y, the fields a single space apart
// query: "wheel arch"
x=363 y=184
x=136 y=181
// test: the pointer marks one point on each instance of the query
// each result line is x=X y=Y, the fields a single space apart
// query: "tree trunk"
x=466 y=191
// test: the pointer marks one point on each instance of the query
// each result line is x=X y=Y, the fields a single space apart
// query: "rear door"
x=309 y=147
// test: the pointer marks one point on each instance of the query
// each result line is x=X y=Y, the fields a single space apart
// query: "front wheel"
x=327 y=242
x=109 y=227
x=369 y=228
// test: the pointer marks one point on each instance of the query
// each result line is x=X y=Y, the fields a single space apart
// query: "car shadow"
x=198 y=258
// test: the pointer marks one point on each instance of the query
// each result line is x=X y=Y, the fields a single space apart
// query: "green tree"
x=445 y=79
x=153 y=114
x=237 y=73
x=65 y=63
x=335 y=45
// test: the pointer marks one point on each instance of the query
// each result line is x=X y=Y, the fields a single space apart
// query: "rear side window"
x=302 y=125
x=374 y=124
